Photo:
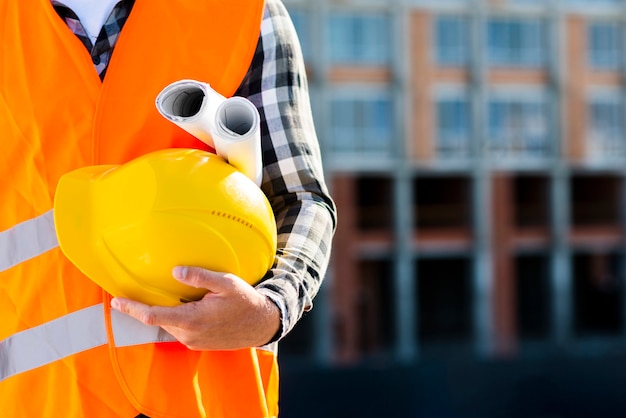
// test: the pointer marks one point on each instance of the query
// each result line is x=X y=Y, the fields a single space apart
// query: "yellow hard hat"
x=126 y=226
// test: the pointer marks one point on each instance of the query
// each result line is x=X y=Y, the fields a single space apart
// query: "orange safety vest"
x=63 y=352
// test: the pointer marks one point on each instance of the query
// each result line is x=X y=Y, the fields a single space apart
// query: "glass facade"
x=517 y=126
x=359 y=39
x=453 y=127
x=302 y=25
x=516 y=42
x=605 y=42
x=452 y=38
x=361 y=125
x=606 y=130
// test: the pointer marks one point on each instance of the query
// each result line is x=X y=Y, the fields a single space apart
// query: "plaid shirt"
x=292 y=176
x=103 y=48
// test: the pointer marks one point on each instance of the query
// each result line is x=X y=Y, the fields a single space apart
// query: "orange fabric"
x=56 y=116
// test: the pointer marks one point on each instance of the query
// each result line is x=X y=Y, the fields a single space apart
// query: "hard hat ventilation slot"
x=233 y=218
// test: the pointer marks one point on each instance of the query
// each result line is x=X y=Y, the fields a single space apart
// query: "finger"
x=214 y=281
x=151 y=315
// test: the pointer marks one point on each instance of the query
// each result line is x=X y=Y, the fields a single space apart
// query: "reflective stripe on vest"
x=71 y=334
x=27 y=240
x=106 y=123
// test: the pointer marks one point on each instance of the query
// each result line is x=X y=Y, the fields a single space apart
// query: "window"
x=595 y=200
x=444 y=295
x=531 y=194
x=596 y=2
x=362 y=123
x=605 y=137
x=303 y=29
x=300 y=340
x=359 y=39
x=452 y=40
x=598 y=294
x=516 y=42
x=604 y=46
x=453 y=127
x=594 y=6
x=442 y=203
x=374 y=209
x=375 y=306
x=442 y=4
x=532 y=296
x=518 y=126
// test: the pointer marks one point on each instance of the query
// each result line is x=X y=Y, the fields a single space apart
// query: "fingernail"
x=115 y=304
x=179 y=272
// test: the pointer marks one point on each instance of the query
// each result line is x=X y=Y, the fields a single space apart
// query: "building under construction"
x=476 y=152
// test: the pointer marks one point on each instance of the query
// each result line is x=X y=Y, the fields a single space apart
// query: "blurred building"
x=477 y=153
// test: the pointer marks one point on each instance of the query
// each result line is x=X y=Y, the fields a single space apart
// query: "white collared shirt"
x=92 y=14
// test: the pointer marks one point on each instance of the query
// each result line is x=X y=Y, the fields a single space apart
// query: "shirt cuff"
x=280 y=303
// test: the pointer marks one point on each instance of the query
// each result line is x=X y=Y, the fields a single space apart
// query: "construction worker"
x=78 y=81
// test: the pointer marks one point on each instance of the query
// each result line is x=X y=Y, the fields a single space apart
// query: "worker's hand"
x=231 y=315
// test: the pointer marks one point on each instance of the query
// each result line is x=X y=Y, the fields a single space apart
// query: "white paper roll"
x=230 y=126
x=191 y=105
x=237 y=135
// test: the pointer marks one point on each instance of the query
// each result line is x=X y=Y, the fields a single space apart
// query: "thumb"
x=198 y=277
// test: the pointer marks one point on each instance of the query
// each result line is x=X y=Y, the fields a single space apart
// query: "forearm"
x=301 y=260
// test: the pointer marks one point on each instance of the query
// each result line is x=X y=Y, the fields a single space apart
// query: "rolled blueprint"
x=238 y=136
x=191 y=105
x=231 y=126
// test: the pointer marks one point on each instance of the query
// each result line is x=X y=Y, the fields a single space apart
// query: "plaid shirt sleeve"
x=293 y=177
